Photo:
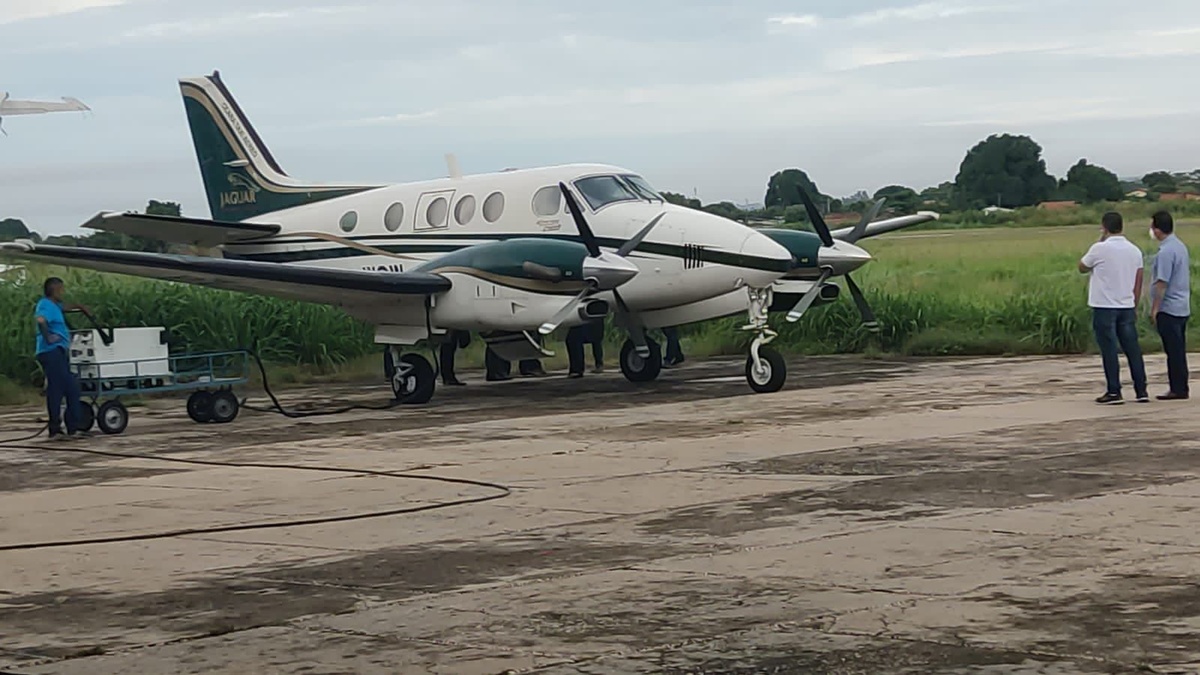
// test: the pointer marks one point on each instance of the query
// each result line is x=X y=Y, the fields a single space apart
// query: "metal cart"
x=210 y=376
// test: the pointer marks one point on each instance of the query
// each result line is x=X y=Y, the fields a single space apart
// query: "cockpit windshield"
x=600 y=191
x=641 y=187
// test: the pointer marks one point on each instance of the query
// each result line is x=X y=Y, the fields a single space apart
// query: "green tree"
x=1161 y=181
x=784 y=188
x=157 y=208
x=938 y=198
x=725 y=210
x=681 y=200
x=1090 y=184
x=901 y=200
x=1003 y=170
x=13 y=228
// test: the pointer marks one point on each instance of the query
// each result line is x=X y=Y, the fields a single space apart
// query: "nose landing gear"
x=766 y=371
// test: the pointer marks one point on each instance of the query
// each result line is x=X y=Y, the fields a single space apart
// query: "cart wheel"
x=200 y=407
x=87 y=416
x=112 y=418
x=224 y=407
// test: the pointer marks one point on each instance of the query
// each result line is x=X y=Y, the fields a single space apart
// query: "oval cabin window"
x=464 y=211
x=493 y=207
x=394 y=217
x=436 y=214
x=349 y=221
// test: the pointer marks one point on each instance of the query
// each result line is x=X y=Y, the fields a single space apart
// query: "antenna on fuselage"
x=452 y=165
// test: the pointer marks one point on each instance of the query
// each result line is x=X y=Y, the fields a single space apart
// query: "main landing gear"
x=412 y=376
x=766 y=371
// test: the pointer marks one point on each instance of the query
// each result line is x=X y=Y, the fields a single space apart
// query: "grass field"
x=962 y=292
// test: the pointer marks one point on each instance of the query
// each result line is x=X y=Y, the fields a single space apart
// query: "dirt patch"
x=1140 y=618
x=264 y=597
x=28 y=471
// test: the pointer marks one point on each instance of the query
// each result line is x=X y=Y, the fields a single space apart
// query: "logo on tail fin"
x=241 y=191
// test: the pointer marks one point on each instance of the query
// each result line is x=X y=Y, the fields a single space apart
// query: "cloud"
x=228 y=24
x=12 y=11
x=925 y=11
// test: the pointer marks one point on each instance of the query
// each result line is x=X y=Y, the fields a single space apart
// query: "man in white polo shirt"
x=1113 y=291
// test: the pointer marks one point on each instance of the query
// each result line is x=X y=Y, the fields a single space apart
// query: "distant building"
x=1139 y=193
x=996 y=209
x=1057 y=206
x=1179 y=197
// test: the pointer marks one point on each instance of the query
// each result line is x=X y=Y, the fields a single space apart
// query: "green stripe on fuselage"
x=668 y=250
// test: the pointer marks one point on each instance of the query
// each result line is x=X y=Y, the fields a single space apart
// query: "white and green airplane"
x=512 y=255
x=11 y=107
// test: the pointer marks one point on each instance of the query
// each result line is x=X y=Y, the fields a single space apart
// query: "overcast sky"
x=698 y=95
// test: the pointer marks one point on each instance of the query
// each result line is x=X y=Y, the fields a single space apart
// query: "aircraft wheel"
x=413 y=380
x=224 y=407
x=638 y=369
x=200 y=407
x=87 y=416
x=112 y=418
x=770 y=377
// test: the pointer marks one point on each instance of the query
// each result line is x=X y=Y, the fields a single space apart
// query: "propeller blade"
x=817 y=221
x=633 y=243
x=867 y=219
x=585 y=231
x=564 y=313
x=809 y=297
x=868 y=316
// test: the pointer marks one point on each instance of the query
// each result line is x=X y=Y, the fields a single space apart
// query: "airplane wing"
x=890 y=225
x=9 y=107
x=376 y=296
x=178 y=230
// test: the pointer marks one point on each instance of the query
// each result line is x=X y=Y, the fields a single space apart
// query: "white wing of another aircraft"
x=9 y=107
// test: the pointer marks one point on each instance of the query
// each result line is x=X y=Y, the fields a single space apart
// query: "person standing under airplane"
x=53 y=353
x=455 y=340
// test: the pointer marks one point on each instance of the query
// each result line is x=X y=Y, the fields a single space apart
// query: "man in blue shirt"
x=1171 y=302
x=53 y=353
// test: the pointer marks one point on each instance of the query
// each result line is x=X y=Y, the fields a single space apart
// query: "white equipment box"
x=134 y=353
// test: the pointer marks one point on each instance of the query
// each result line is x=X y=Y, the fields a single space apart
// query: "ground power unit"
x=139 y=354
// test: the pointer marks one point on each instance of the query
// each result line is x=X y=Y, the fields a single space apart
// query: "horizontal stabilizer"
x=179 y=230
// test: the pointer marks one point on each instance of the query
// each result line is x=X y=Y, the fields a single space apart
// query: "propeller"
x=818 y=222
x=603 y=272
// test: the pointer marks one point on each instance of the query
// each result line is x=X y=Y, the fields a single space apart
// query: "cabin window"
x=493 y=207
x=348 y=221
x=600 y=191
x=435 y=214
x=464 y=211
x=394 y=217
x=547 y=201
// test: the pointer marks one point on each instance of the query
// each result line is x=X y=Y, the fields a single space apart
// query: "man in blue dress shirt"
x=53 y=353
x=1171 y=302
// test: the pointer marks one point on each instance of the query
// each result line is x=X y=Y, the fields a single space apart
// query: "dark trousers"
x=497 y=368
x=674 y=349
x=60 y=383
x=1173 y=331
x=581 y=335
x=454 y=340
x=1118 y=328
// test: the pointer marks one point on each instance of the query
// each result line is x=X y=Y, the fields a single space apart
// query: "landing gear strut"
x=411 y=376
x=766 y=370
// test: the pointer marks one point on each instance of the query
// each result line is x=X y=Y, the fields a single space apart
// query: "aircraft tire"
x=415 y=386
x=638 y=369
x=773 y=374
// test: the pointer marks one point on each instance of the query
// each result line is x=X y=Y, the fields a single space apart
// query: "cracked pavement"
x=878 y=516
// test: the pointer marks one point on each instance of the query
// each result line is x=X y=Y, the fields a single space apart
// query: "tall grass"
x=983 y=291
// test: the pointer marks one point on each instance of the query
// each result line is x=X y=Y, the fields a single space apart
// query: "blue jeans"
x=674 y=349
x=60 y=382
x=1118 y=328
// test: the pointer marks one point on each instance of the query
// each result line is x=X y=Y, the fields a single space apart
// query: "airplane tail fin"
x=241 y=177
